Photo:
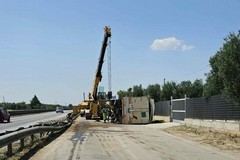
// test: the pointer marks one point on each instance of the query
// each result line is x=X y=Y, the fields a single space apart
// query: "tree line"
x=158 y=93
x=223 y=78
x=34 y=104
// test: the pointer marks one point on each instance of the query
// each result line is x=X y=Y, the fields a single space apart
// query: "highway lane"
x=31 y=119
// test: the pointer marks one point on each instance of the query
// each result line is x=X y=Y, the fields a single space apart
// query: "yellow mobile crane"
x=96 y=99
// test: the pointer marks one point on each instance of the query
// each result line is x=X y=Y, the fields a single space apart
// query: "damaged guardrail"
x=9 y=137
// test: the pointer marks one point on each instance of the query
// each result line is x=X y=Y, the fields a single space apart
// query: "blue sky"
x=51 y=48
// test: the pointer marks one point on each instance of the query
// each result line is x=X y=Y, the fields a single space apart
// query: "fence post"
x=239 y=121
x=185 y=107
x=32 y=138
x=225 y=110
x=212 y=113
x=21 y=143
x=41 y=134
x=9 y=153
x=171 y=114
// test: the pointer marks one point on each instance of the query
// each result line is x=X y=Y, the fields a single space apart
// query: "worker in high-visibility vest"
x=104 y=113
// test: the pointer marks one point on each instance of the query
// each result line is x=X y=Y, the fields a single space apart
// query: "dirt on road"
x=97 y=140
x=116 y=141
x=222 y=139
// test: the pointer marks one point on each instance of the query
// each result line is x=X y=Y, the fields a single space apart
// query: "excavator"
x=96 y=100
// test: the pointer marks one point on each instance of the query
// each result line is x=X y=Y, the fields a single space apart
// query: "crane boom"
x=98 y=76
x=92 y=106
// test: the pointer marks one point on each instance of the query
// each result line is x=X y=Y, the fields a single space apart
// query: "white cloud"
x=186 y=47
x=170 y=44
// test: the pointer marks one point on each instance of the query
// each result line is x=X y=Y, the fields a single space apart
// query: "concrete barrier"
x=216 y=124
x=30 y=111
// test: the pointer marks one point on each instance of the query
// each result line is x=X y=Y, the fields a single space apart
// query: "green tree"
x=169 y=89
x=70 y=106
x=35 y=103
x=192 y=90
x=123 y=93
x=214 y=84
x=154 y=92
x=224 y=76
x=185 y=87
x=197 y=89
x=129 y=92
x=137 y=91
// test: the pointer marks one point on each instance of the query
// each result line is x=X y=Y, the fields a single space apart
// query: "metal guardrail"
x=11 y=137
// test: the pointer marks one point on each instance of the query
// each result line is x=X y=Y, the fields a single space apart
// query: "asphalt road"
x=96 y=140
x=30 y=119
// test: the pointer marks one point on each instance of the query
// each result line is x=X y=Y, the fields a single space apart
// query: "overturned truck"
x=137 y=110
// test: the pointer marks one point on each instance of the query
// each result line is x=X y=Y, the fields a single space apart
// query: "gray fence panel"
x=178 y=116
x=178 y=105
x=178 y=109
x=215 y=108
x=162 y=108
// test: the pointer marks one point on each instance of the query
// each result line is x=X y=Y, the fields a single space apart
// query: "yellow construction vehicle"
x=96 y=100
x=80 y=108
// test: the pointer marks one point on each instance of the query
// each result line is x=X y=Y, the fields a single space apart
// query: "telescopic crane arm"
x=98 y=76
